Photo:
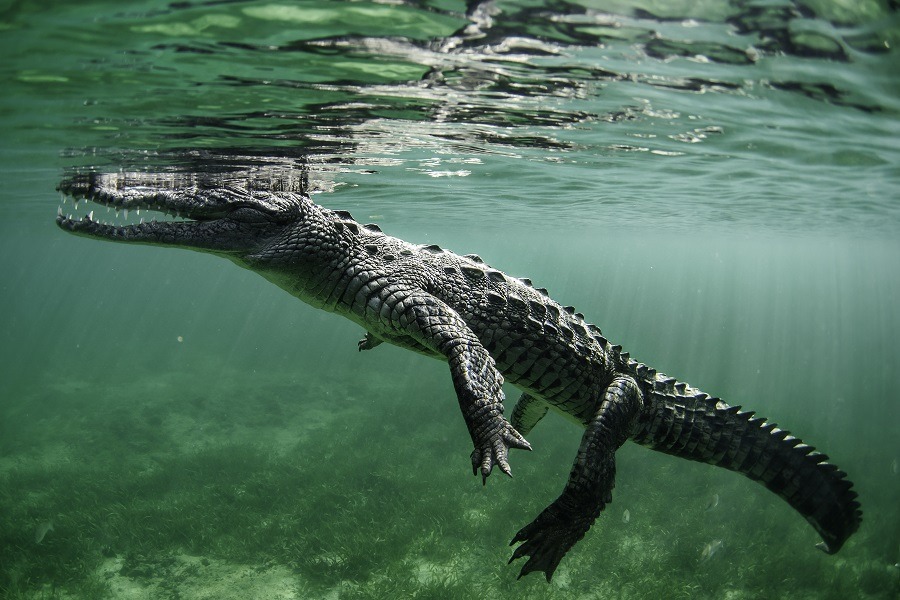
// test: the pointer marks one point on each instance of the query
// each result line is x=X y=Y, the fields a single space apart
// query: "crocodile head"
x=223 y=218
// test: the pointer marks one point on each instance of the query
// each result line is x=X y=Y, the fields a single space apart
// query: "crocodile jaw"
x=227 y=221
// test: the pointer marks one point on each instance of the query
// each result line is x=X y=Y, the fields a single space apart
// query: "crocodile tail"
x=706 y=429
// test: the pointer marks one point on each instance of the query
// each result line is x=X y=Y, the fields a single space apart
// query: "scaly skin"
x=487 y=326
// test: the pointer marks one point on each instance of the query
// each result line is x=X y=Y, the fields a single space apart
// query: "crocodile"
x=489 y=327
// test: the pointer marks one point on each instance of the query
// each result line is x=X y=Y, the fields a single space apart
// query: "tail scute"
x=705 y=429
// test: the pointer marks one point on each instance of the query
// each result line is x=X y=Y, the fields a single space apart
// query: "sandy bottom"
x=195 y=578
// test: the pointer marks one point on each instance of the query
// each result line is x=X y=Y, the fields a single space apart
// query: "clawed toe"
x=546 y=540
x=496 y=453
x=544 y=554
x=368 y=342
x=518 y=442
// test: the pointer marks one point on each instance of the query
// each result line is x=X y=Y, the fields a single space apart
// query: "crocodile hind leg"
x=528 y=412
x=553 y=533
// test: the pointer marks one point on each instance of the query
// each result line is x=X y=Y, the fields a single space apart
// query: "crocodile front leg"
x=476 y=379
x=589 y=489
x=368 y=342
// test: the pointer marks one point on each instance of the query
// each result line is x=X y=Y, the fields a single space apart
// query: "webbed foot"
x=548 y=538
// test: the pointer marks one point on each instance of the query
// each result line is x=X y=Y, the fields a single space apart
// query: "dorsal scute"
x=495 y=275
x=516 y=301
x=472 y=272
x=537 y=308
x=495 y=298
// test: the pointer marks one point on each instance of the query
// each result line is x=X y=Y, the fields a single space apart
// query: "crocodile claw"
x=495 y=451
x=368 y=342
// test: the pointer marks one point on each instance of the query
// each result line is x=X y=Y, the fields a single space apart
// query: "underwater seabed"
x=273 y=486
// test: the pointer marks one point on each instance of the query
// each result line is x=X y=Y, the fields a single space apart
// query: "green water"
x=713 y=183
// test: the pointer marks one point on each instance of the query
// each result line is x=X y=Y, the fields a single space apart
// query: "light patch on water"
x=398 y=18
x=193 y=28
x=460 y=173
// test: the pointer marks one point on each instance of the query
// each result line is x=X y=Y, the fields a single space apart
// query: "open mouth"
x=90 y=206
x=110 y=220
x=171 y=209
